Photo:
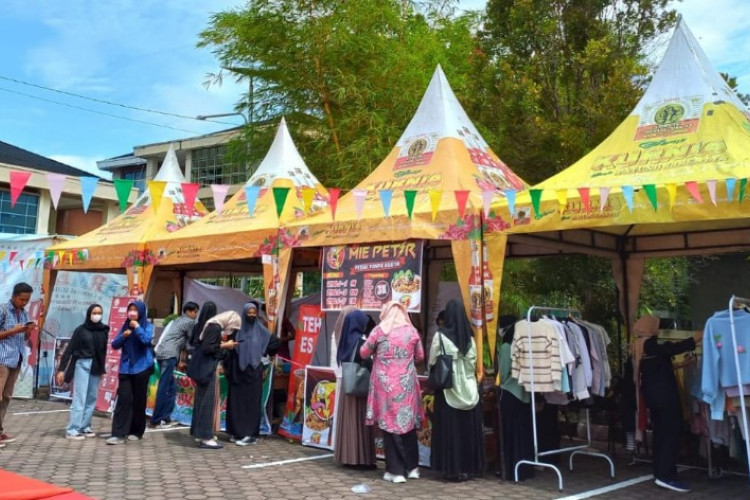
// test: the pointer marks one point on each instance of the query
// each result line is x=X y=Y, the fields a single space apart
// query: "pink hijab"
x=393 y=315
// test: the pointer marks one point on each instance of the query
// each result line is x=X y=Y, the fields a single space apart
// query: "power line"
x=110 y=103
x=98 y=112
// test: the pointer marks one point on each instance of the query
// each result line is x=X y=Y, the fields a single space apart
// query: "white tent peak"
x=282 y=161
x=170 y=170
x=440 y=115
x=685 y=75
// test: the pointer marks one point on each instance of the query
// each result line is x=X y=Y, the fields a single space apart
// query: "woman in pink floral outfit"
x=394 y=402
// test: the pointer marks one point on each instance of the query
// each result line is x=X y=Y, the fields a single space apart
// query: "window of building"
x=212 y=165
x=21 y=219
x=137 y=175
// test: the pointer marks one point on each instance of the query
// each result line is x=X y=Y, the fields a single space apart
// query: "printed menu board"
x=368 y=276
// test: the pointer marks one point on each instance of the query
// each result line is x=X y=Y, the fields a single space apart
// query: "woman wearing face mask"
x=83 y=362
x=136 y=366
x=211 y=342
x=243 y=367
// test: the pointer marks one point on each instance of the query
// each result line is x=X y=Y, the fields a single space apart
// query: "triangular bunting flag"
x=55 y=183
x=61 y=254
x=730 y=189
x=359 y=201
x=20 y=262
x=462 y=196
x=672 y=193
x=584 y=193
x=436 y=197
x=156 y=192
x=31 y=262
x=712 y=190
x=651 y=193
x=627 y=193
x=251 y=197
x=70 y=258
x=743 y=183
x=487 y=196
x=220 y=193
x=5 y=266
x=510 y=195
x=279 y=197
x=536 y=199
x=88 y=187
x=603 y=197
x=123 y=187
x=308 y=194
x=190 y=193
x=694 y=190
x=409 y=196
x=562 y=199
x=3 y=254
x=12 y=256
x=386 y=195
x=18 y=180
x=333 y=200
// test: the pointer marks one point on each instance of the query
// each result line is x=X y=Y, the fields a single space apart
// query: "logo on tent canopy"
x=416 y=151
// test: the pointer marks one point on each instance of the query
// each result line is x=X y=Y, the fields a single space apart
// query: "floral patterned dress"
x=394 y=402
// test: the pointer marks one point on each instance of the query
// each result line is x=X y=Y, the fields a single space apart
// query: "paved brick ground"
x=168 y=465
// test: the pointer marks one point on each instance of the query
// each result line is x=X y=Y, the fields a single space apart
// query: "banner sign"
x=64 y=391
x=309 y=323
x=368 y=276
x=319 y=413
x=118 y=312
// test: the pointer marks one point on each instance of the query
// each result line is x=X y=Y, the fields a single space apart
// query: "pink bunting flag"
x=487 y=196
x=220 y=193
x=694 y=190
x=359 y=201
x=333 y=200
x=18 y=180
x=12 y=255
x=55 y=183
x=190 y=192
x=712 y=190
x=603 y=195
x=584 y=193
x=462 y=196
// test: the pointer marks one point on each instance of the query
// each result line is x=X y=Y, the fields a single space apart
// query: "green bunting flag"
x=651 y=193
x=410 y=195
x=279 y=196
x=743 y=183
x=536 y=198
x=123 y=188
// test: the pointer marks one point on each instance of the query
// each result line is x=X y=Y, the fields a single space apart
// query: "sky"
x=142 y=53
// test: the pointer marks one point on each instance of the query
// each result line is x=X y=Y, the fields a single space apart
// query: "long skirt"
x=243 y=408
x=517 y=441
x=206 y=410
x=457 y=439
x=355 y=441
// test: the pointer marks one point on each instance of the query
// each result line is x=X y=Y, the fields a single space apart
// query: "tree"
x=732 y=82
x=349 y=74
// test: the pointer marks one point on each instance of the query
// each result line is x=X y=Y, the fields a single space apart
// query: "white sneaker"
x=168 y=425
x=388 y=477
x=89 y=433
x=115 y=440
x=75 y=437
x=414 y=473
x=399 y=479
x=392 y=478
x=133 y=437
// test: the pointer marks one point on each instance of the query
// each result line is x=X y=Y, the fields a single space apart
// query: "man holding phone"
x=15 y=328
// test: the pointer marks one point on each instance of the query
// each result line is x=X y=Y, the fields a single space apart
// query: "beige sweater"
x=545 y=356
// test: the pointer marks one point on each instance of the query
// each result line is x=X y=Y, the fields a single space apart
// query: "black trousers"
x=401 y=452
x=130 y=410
x=667 y=422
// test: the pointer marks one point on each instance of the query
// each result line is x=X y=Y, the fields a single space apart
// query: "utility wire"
x=98 y=112
x=103 y=101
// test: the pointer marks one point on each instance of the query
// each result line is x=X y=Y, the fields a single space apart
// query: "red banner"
x=105 y=400
x=308 y=329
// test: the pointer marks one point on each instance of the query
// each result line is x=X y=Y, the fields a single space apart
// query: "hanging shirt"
x=543 y=355
x=578 y=379
x=584 y=355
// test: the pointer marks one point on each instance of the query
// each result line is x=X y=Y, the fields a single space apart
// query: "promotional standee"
x=368 y=276
x=309 y=323
x=118 y=312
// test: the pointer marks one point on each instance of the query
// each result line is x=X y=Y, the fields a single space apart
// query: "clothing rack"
x=733 y=303
x=584 y=449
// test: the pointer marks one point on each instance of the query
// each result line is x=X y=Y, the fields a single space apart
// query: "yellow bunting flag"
x=672 y=192
x=436 y=196
x=61 y=254
x=156 y=191
x=562 y=199
x=308 y=194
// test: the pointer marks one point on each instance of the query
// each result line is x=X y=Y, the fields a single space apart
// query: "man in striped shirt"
x=15 y=327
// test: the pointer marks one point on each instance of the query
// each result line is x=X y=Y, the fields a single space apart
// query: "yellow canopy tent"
x=233 y=238
x=432 y=186
x=121 y=245
x=669 y=181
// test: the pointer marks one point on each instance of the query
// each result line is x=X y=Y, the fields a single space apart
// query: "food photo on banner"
x=368 y=276
x=319 y=407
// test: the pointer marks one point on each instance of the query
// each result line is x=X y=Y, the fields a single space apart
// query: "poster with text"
x=319 y=407
x=309 y=322
x=118 y=312
x=368 y=276
x=64 y=390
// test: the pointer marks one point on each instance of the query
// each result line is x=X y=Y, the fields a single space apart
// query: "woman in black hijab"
x=84 y=360
x=243 y=368
x=457 y=440
x=208 y=311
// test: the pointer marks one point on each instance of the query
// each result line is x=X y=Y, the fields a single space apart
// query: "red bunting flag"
x=18 y=180
x=190 y=192
x=584 y=193
x=21 y=263
x=333 y=200
x=462 y=196
x=12 y=256
x=694 y=190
